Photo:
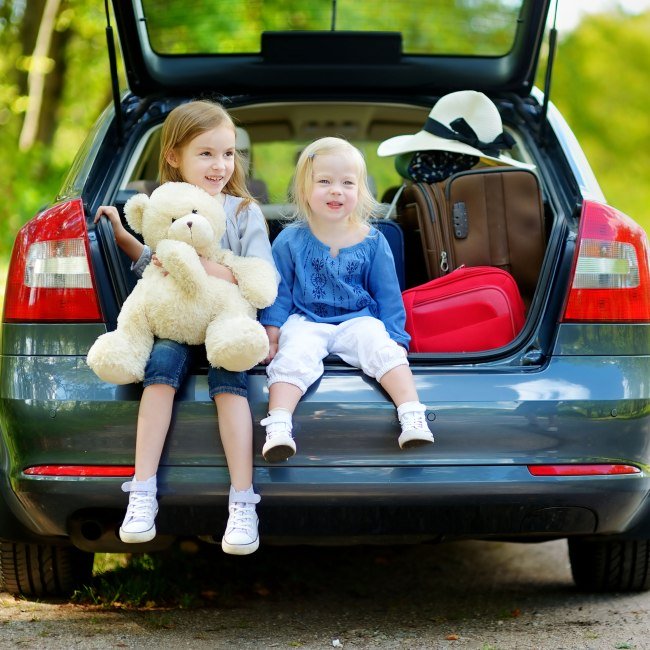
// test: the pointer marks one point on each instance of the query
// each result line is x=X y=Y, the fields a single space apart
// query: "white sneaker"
x=279 y=444
x=415 y=430
x=138 y=525
x=241 y=536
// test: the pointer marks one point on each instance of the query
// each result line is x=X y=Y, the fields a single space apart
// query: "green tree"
x=601 y=86
x=54 y=81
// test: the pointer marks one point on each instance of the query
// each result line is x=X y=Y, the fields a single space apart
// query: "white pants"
x=361 y=342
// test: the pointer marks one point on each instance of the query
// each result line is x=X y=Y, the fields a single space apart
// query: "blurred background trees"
x=601 y=84
x=54 y=82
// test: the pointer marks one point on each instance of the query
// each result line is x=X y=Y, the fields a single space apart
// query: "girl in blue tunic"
x=338 y=294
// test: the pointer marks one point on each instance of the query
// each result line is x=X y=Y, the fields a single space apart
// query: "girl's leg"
x=229 y=391
x=236 y=430
x=298 y=364
x=399 y=384
x=279 y=444
x=365 y=343
x=154 y=418
x=165 y=371
x=284 y=396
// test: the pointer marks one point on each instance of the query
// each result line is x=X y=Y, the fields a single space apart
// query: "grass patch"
x=164 y=579
x=186 y=576
x=192 y=574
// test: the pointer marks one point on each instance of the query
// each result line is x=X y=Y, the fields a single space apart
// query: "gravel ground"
x=469 y=595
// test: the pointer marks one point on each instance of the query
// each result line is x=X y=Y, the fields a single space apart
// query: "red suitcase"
x=468 y=310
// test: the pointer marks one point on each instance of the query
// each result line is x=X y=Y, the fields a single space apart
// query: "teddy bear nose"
x=189 y=224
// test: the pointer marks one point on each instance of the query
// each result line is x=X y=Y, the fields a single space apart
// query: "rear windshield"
x=460 y=27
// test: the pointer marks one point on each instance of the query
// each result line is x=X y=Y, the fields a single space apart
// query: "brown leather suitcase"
x=485 y=217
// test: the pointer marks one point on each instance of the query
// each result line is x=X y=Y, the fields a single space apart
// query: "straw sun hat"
x=465 y=122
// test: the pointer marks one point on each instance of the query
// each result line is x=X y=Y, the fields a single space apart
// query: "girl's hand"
x=218 y=271
x=273 y=350
x=111 y=213
x=274 y=337
x=156 y=262
x=124 y=239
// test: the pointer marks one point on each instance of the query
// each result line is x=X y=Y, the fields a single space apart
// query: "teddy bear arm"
x=182 y=262
x=256 y=279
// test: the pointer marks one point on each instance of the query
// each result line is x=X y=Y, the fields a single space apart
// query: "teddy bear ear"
x=134 y=210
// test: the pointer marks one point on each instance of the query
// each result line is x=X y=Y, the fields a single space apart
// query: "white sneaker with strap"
x=279 y=444
x=241 y=536
x=138 y=525
x=415 y=430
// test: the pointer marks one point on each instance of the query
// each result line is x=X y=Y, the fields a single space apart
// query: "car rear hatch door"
x=181 y=47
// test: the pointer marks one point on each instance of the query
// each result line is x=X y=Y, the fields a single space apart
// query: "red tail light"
x=610 y=278
x=96 y=471
x=582 y=470
x=50 y=278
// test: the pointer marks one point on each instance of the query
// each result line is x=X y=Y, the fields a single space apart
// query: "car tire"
x=39 y=570
x=620 y=565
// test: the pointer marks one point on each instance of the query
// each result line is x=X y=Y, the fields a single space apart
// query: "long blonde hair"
x=303 y=178
x=185 y=123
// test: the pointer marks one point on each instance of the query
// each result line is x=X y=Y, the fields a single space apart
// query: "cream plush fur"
x=180 y=301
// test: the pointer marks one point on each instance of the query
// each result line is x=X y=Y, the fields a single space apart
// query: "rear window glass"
x=464 y=27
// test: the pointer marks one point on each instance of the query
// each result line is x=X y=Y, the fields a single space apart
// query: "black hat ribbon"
x=462 y=132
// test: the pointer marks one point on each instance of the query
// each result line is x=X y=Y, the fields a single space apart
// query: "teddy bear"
x=178 y=300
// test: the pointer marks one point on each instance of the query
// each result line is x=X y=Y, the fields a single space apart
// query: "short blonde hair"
x=185 y=123
x=303 y=178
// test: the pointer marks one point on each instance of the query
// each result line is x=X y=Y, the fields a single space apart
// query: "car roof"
x=180 y=47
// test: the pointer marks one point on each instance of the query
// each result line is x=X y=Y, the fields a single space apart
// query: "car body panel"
x=490 y=426
x=491 y=417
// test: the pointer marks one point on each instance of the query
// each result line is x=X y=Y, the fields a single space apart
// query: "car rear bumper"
x=311 y=504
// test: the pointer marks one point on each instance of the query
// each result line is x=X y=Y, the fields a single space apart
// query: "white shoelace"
x=242 y=518
x=414 y=420
x=142 y=507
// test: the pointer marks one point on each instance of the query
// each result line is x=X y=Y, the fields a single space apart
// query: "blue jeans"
x=169 y=364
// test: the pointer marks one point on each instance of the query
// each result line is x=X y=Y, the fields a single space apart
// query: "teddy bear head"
x=178 y=211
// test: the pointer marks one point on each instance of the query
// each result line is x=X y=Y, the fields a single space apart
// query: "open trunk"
x=275 y=133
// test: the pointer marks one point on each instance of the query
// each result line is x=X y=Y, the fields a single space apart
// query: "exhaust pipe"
x=98 y=533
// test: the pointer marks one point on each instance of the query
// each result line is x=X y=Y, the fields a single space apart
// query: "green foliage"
x=143 y=580
x=600 y=84
x=187 y=575
x=30 y=179
x=463 y=27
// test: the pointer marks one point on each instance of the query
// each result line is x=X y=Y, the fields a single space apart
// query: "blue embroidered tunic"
x=360 y=281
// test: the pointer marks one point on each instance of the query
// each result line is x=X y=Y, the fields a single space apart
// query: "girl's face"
x=334 y=189
x=208 y=160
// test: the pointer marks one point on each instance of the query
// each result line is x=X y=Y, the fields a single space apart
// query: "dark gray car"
x=545 y=437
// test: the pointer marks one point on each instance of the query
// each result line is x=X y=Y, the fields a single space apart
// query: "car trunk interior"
x=278 y=131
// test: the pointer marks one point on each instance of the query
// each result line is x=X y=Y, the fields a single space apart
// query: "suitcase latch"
x=461 y=223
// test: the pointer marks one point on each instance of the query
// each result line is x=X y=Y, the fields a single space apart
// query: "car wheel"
x=43 y=570
x=610 y=565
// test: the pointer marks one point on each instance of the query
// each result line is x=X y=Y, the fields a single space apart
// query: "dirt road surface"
x=461 y=595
